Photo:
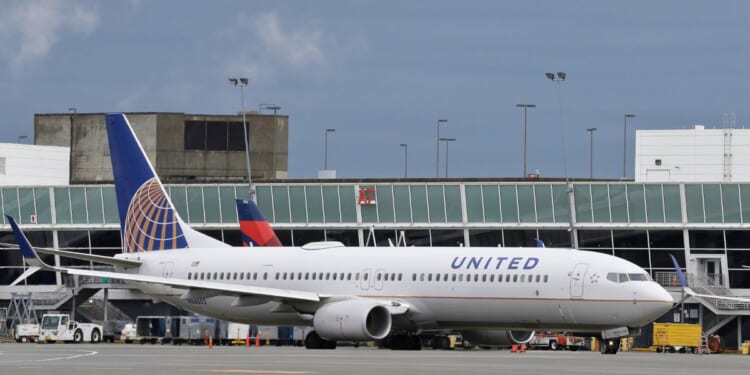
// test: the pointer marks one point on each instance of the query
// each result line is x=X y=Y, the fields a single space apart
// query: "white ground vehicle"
x=128 y=333
x=59 y=327
x=26 y=332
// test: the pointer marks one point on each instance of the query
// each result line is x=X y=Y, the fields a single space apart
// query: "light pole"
x=591 y=152
x=625 y=143
x=447 y=140
x=568 y=185
x=242 y=82
x=525 y=133
x=437 y=144
x=406 y=158
x=325 y=157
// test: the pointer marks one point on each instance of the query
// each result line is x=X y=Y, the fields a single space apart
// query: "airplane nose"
x=661 y=300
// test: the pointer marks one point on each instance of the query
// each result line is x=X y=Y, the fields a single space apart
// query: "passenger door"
x=576 y=280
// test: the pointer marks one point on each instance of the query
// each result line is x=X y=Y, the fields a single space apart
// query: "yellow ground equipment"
x=674 y=337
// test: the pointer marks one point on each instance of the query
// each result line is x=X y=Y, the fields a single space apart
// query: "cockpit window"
x=638 y=276
x=625 y=277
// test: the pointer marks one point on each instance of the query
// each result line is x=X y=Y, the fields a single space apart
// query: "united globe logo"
x=151 y=223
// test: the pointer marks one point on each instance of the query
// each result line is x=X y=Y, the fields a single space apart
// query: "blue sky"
x=383 y=72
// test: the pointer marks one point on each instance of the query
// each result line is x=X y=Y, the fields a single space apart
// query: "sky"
x=383 y=72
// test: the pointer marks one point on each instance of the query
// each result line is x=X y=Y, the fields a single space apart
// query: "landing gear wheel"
x=314 y=341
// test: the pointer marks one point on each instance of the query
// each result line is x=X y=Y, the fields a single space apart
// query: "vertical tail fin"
x=254 y=228
x=148 y=219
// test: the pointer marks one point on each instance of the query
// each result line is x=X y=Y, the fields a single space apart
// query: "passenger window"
x=468 y=278
x=202 y=275
x=255 y=276
x=492 y=278
x=484 y=278
x=291 y=275
x=500 y=278
x=453 y=278
x=366 y=276
x=538 y=278
x=356 y=276
x=265 y=275
x=460 y=277
x=307 y=275
x=421 y=277
x=515 y=278
x=313 y=275
x=334 y=275
x=235 y=276
x=507 y=278
x=522 y=278
x=399 y=277
x=242 y=276
x=531 y=278
x=546 y=278
x=414 y=277
x=328 y=275
x=378 y=277
x=188 y=276
x=341 y=276
x=299 y=275
x=320 y=275
x=437 y=277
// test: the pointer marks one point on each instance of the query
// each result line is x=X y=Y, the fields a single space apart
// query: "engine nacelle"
x=355 y=319
x=495 y=337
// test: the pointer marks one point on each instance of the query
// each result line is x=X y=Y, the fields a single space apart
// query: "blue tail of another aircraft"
x=254 y=228
x=148 y=219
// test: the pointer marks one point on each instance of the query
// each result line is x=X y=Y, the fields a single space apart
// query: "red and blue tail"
x=148 y=219
x=254 y=228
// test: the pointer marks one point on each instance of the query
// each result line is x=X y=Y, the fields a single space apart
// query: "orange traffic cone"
x=210 y=342
x=514 y=348
x=257 y=339
x=247 y=341
x=523 y=348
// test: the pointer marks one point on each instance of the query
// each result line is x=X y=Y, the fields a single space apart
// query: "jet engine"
x=497 y=337
x=354 y=319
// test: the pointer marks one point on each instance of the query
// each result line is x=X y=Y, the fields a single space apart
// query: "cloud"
x=294 y=47
x=31 y=28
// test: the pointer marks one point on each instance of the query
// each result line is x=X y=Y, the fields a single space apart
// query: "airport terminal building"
x=704 y=225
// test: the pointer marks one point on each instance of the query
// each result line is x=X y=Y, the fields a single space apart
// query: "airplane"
x=493 y=296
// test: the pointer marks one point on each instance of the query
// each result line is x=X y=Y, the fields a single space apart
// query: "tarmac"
x=167 y=359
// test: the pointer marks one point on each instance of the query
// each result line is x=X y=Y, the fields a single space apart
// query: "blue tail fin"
x=148 y=220
x=254 y=228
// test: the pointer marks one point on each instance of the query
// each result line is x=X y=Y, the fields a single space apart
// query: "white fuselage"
x=444 y=287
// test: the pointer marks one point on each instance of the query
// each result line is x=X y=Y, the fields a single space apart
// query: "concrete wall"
x=692 y=155
x=28 y=165
x=163 y=136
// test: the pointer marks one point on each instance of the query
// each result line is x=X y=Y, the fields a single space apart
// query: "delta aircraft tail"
x=148 y=219
x=254 y=228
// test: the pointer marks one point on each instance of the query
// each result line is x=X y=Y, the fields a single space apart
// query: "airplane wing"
x=194 y=287
x=92 y=258
x=691 y=292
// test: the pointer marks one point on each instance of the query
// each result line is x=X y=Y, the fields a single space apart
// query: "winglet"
x=29 y=254
x=680 y=275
